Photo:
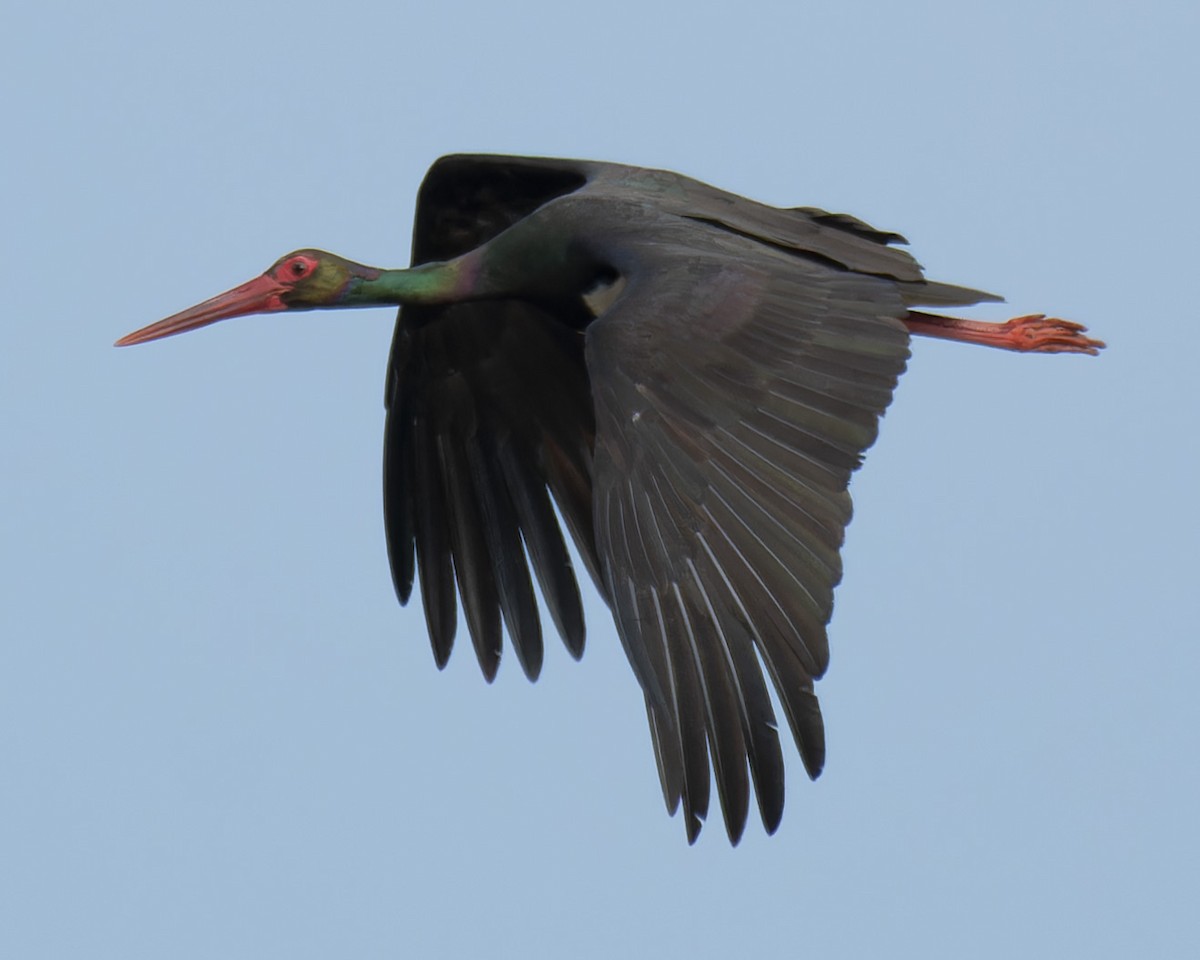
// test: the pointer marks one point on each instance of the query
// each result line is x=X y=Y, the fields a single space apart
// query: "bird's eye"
x=299 y=268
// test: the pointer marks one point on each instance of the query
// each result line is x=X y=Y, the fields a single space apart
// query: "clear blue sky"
x=221 y=737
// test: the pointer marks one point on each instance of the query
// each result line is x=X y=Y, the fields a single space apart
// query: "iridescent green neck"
x=429 y=283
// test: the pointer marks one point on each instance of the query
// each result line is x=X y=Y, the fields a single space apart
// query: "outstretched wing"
x=735 y=391
x=488 y=405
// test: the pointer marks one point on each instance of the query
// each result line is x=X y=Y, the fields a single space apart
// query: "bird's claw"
x=1037 y=333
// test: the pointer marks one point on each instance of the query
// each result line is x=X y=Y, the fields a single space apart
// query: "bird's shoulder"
x=468 y=199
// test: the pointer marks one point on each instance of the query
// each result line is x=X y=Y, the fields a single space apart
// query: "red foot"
x=1039 y=333
x=1035 y=333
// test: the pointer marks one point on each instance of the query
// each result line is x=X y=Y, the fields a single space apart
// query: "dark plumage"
x=691 y=377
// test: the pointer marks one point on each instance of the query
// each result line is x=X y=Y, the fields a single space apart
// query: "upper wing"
x=734 y=394
x=488 y=404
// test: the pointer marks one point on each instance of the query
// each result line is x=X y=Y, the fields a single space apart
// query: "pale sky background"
x=220 y=736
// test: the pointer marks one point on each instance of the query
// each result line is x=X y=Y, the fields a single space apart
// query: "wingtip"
x=403 y=591
x=490 y=668
x=531 y=659
x=735 y=831
x=575 y=641
x=814 y=762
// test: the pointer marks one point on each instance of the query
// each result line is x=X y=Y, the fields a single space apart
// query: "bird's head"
x=303 y=280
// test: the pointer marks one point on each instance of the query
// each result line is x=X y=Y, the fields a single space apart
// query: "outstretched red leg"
x=1035 y=333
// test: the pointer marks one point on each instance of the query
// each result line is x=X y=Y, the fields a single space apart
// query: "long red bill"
x=260 y=295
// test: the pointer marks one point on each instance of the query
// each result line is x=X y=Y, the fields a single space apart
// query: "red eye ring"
x=295 y=267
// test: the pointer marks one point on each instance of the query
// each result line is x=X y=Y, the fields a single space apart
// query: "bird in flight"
x=690 y=377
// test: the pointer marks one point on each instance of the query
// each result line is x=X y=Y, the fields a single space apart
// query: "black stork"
x=691 y=377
